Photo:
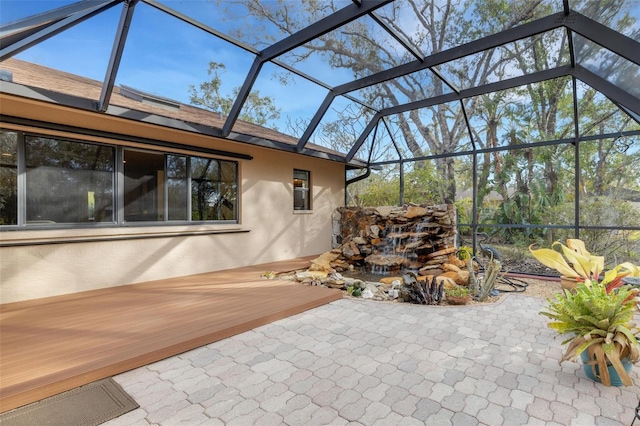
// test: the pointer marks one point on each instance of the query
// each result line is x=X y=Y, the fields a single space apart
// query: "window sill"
x=303 y=212
x=69 y=236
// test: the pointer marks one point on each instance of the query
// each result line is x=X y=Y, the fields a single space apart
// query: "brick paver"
x=372 y=363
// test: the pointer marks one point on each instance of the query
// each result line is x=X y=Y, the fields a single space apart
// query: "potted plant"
x=597 y=316
x=457 y=295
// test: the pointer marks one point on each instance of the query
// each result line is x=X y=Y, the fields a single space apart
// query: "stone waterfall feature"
x=389 y=240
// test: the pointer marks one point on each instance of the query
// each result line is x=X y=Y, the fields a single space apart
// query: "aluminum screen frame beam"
x=529 y=29
x=26 y=38
x=311 y=32
x=600 y=34
x=116 y=54
x=467 y=93
x=15 y=31
x=631 y=114
x=580 y=24
x=610 y=90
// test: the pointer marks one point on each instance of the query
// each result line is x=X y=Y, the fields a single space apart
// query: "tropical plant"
x=573 y=260
x=457 y=291
x=598 y=319
x=457 y=295
x=481 y=287
x=597 y=316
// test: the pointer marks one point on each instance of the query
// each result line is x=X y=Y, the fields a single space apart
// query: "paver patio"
x=371 y=363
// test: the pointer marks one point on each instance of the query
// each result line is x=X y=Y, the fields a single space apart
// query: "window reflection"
x=177 y=187
x=143 y=186
x=8 y=178
x=213 y=189
x=301 y=192
x=68 y=182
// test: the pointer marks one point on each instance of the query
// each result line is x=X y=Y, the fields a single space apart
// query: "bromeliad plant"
x=598 y=315
x=580 y=264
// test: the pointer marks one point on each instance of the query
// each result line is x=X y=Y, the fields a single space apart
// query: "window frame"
x=306 y=191
x=118 y=178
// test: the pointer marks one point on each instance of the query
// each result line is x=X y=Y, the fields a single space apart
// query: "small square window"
x=301 y=190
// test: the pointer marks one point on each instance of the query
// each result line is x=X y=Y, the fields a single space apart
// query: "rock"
x=384 y=211
x=323 y=262
x=461 y=264
x=435 y=271
x=397 y=235
x=367 y=249
x=449 y=274
x=436 y=261
x=412 y=245
x=313 y=275
x=367 y=293
x=393 y=293
x=385 y=260
x=359 y=240
x=380 y=295
x=450 y=267
x=390 y=280
x=347 y=251
x=442 y=252
x=448 y=282
x=384 y=287
x=340 y=265
x=374 y=231
x=462 y=278
x=340 y=284
x=413 y=212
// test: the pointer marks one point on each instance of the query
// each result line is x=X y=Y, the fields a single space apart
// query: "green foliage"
x=532 y=181
x=465 y=253
x=480 y=288
x=618 y=246
x=464 y=207
x=375 y=191
x=257 y=109
x=457 y=291
x=599 y=322
x=421 y=185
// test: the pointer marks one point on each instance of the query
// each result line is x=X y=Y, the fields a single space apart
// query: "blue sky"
x=163 y=55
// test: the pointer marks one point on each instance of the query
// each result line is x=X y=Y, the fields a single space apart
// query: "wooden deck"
x=55 y=344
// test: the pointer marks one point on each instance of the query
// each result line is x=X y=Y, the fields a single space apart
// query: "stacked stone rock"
x=421 y=238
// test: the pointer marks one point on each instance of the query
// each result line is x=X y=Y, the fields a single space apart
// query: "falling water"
x=393 y=245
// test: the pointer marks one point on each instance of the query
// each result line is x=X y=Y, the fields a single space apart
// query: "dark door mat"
x=88 y=405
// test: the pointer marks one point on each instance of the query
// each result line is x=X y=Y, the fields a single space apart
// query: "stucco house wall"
x=41 y=263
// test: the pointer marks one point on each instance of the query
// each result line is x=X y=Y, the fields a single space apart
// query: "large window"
x=143 y=186
x=8 y=178
x=75 y=182
x=68 y=182
x=213 y=189
x=301 y=192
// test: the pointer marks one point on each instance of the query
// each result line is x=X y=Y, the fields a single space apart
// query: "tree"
x=532 y=113
x=365 y=50
x=257 y=109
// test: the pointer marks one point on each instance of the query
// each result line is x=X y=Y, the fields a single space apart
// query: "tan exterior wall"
x=275 y=231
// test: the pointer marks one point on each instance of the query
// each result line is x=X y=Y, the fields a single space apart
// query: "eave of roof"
x=55 y=86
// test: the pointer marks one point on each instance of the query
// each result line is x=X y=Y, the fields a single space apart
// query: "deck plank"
x=54 y=344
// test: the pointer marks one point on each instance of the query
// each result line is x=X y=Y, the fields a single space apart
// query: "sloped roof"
x=37 y=76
